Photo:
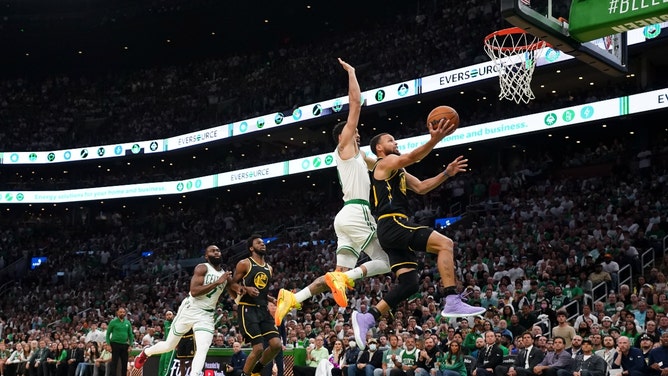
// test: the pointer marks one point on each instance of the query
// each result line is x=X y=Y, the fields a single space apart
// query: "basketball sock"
x=375 y=267
x=375 y=313
x=355 y=274
x=303 y=294
x=449 y=291
x=258 y=368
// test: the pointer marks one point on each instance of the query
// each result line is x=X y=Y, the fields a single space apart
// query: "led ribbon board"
x=394 y=92
x=543 y=121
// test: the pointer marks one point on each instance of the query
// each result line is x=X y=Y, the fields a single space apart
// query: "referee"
x=120 y=337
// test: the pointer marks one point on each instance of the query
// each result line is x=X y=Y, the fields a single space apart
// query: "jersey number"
x=210 y=294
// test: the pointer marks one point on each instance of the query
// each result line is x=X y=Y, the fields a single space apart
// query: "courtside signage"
x=84 y=153
x=248 y=175
x=649 y=101
x=457 y=77
x=196 y=138
x=312 y=163
x=107 y=193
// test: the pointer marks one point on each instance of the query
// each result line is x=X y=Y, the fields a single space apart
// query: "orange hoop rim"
x=514 y=30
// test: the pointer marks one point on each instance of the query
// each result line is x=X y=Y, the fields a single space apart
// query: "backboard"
x=549 y=21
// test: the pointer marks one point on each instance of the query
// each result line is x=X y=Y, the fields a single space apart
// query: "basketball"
x=442 y=112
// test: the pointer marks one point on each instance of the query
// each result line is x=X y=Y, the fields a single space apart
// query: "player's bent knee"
x=438 y=243
x=275 y=344
x=257 y=348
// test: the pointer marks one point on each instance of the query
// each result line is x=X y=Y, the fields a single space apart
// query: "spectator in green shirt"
x=572 y=290
x=452 y=362
x=120 y=337
x=470 y=339
x=314 y=354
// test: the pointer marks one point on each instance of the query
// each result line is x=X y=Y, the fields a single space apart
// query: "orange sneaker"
x=284 y=303
x=339 y=282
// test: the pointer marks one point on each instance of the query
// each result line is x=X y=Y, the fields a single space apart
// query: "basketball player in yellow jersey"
x=197 y=310
x=401 y=238
x=256 y=322
x=354 y=225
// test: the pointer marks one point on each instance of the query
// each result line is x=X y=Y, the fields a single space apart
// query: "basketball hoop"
x=514 y=53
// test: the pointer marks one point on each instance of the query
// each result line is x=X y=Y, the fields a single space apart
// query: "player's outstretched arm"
x=394 y=162
x=370 y=161
x=423 y=187
x=348 y=146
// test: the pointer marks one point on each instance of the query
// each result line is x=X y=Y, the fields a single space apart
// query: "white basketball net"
x=514 y=54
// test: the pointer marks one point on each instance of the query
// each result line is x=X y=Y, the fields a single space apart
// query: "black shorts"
x=401 y=239
x=256 y=323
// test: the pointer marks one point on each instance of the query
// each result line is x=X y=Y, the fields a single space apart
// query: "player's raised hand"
x=346 y=66
x=442 y=129
x=225 y=277
x=458 y=165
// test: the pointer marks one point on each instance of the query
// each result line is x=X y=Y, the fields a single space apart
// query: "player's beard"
x=260 y=252
x=215 y=261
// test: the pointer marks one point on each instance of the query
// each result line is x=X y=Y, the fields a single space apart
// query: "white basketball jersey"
x=209 y=300
x=353 y=176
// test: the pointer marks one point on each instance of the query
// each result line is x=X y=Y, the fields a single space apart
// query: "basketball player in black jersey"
x=400 y=238
x=257 y=325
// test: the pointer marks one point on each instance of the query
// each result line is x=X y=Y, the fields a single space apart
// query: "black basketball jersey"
x=258 y=276
x=389 y=196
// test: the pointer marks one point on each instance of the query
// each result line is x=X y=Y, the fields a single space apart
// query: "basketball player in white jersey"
x=197 y=311
x=355 y=227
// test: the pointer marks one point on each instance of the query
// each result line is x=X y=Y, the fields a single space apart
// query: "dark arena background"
x=133 y=134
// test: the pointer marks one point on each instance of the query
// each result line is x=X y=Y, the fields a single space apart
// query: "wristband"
x=446 y=174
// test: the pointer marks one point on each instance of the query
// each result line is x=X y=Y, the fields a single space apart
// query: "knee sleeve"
x=407 y=284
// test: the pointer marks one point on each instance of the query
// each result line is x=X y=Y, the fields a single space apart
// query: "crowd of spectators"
x=70 y=110
x=539 y=237
x=532 y=244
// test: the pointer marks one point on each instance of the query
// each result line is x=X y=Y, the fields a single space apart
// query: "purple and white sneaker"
x=362 y=322
x=455 y=307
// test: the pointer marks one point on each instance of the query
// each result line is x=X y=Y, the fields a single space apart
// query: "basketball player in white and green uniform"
x=197 y=311
x=355 y=227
